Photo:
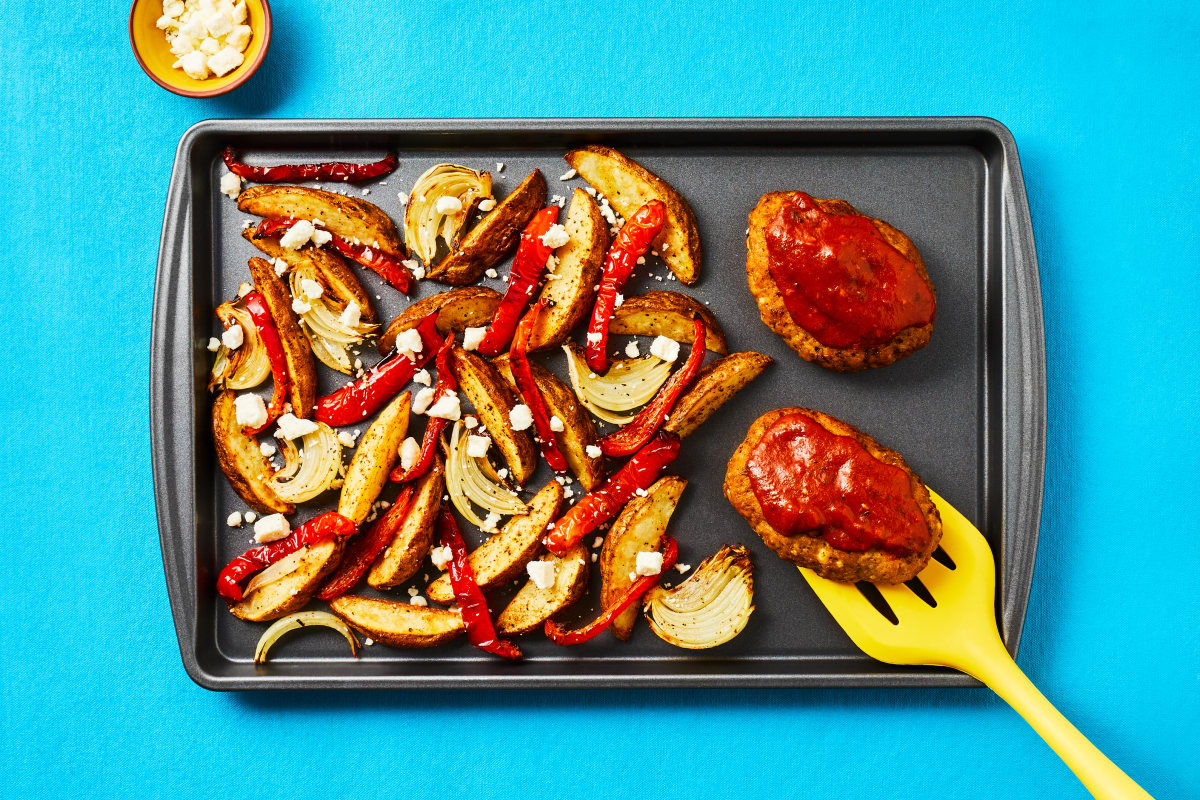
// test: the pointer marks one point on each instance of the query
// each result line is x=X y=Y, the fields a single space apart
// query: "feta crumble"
x=214 y=344
x=267 y=449
x=520 y=418
x=477 y=446
x=346 y=438
x=271 y=528
x=422 y=400
x=351 y=315
x=448 y=205
x=648 y=563
x=472 y=337
x=423 y=377
x=409 y=343
x=292 y=427
x=311 y=289
x=250 y=411
x=542 y=573
x=234 y=520
x=231 y=185
x=631 y=350
x=447 y=407
x=664 y=348
x=593 y=451
x=440 y=556
x=487 y=204
x=557 y=236
x=410 y=453
x=566 y=176
x=490 y=522
x=556 y=424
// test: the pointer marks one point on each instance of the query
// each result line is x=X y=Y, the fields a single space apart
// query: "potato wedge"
x=629 y=186
x=243 y=463
x=338 y=276
x=579 y=431
x=293 y=591
x=571 y=289
x=713 y=387
x=503 y=556
x=493 y=235
x=378 y=451
x=639 y=527
x=458 y=309
x=531 y=607
x=352 y=218
x=493 y=400
x=302 y=370
x=397 y=624
x=401 y=559
x=667 y=314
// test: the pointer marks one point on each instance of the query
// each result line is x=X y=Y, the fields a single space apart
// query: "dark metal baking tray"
x=968 y=412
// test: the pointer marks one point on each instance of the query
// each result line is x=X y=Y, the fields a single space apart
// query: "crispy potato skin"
x=458 y=309
x=570 y=294
x=377 y=452
x=242 y=462
x=401 y=559
x=302 y=370
x=640 y=526
x=813 y=552
x=713 y=387
x=493 y=400
x=531 y=607
x=629 y=186
x=579 y=430
x=503 y=556
x=351 y=218
x=776 y=316
x=397 y=624
x=668 y=314
x=293 y=591
x=329 y=265
x=494 y=235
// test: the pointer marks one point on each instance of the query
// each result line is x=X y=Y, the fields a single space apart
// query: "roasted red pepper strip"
x=636 y=589
x=518 y=360
x=330 y=525
x=528 y=265
x=632 y=242
x=326 y=171
x=600 y=505
x=387 y=266
x=447 y=384
x=471 y=603
x=361 y=553
x=638 y=430
x=256 y=305
x=356 y=401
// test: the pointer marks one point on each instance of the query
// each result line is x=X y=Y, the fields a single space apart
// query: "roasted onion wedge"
x=709 y=608
x=248 y=365
x=468 y=485
x=302 y=619
x=308 y=472
x=628 y=384
x=428 y=217
x=331 y=332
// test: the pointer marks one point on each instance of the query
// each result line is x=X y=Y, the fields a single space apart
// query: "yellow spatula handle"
x=989 y=662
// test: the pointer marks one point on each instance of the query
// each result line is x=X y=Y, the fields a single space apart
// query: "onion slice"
x=277 y=571
x=466 y=483
x=302 y=619
x=628 y=384
x=709 y=608
x=424 y=224
x=330 y=337
x=308 y=472
x=245 y=367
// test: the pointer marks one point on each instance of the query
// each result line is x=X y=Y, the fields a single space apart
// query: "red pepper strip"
x=527 y=386
x=556 y=634
x=256 y=304
x=528 y=265
x=600 y=505
x=362 y=552
x=447 y=384
x=383 y=264
x=329 y=525
x=471 y=603
x=638 y=430
x=356 y=401
x=328 y=170
x=632 y=242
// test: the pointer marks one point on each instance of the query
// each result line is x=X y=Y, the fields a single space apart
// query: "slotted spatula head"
x=962 y=596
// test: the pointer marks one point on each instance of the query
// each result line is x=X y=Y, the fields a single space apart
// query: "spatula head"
x=959 y=604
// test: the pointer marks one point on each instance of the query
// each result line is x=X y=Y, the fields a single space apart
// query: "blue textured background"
x=1104 y=105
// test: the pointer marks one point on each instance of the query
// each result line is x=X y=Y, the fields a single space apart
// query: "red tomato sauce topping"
x=840 y=279
x=809 y=480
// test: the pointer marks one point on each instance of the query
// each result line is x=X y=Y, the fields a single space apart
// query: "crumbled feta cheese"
x=472 y=337
x=233 y=337
x=440 y=556
x=195 y=64
x=320 y=237
x=267 y=449
x=311 y=289
x=351 y=315
x=558 y=200
x=520 y=418
x=566 y=176
x=557 y=236
x=487 y=204
x=410 y=453
x=209 y=47
x=234 y=520
x=503 y=473
x=556 y=424
x=618 y=300
x=219 y=22
x=499 y=167
x=491 y=273
x=664 y=348
x=225 y=60
x=597 y=542
x=298 y=235
x=423 y=377
x=595 y=337
x=649 y=562
x=446 y=407
x=403 y=198
x=490 y=522
x=471 y=423
x=413 y=591
x=280 y=267
x=301 y=306
x=366 y=192
x=368 y=641
x=448 y=205
x=418 y=600
x=631 y=350
x=541 y=573
x=213 y=344
x=593 y=451
x=422 y=400
x=682 y=568
x=271 y=528
x=292 y=427
x=231 y=185
x=409 y=343
x=477 y=446
x=595 y=556
x=640 y=492
x=250 y=516
x=250 y=411
x=239 y=37
x=346 y=438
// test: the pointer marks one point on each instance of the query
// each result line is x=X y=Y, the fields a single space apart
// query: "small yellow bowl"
x=155 y=57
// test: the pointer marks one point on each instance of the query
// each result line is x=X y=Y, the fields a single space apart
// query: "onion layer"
x=424 y=223
x=466 y=483
x=710 y=607
x=330 y=337
x=308 y=472
x=246 y=367
x=628 y=384
x=302 y=619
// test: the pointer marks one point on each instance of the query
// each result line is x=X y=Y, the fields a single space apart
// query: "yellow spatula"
x=960 y=632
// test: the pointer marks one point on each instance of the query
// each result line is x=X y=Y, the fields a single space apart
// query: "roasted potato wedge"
x=639 y=527
x=579 y=431
x=378 y=451
x=503 y=556
x=457 y=310
x=494 y=400
x=352 y=218
x=629 y=186
x=401 y=559
x=667 y=314
x=493 y=235
x=301 y=368
x=293 y=591
x=531 y=607
x=338 y=276
x=243 y=463
x=712 y=388
x=571 y=289
x=397 y=624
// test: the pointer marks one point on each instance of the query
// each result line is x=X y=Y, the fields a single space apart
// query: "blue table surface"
x=1103 y=102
